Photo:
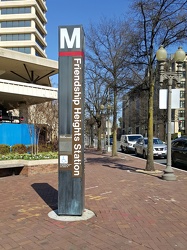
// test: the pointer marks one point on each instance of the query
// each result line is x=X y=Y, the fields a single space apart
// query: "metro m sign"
x=70 y=40
x=71 y=120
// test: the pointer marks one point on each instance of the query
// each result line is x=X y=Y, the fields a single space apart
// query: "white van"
x=127 y=142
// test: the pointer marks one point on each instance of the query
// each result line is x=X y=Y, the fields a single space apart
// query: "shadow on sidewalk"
x=122 y=167
x=47 y=193
x=116 y=164
x=111 y=163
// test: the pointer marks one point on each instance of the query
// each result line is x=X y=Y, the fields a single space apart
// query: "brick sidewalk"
x=133 y=210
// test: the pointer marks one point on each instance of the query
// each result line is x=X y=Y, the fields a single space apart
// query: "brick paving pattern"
x=133 y=210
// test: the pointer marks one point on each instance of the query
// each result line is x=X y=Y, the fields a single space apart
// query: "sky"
x=74 y=12
x=81 y=12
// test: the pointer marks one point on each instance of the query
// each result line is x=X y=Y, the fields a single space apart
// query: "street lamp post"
x=179 y=57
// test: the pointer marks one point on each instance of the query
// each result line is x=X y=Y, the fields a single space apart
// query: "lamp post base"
x=168 y=174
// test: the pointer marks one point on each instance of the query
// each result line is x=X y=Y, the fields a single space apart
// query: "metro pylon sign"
x=71 y=120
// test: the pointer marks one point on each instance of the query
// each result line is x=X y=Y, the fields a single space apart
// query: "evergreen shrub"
x=4 y=149
x=19 y=148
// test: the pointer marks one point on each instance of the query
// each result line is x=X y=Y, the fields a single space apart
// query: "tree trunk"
x=150 y=162
x=99 y=139
x=114 y=146
x=91 y=136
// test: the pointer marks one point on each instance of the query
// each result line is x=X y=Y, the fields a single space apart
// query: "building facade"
x=180 y=115
x=135 y=109
x=22 y=26
x=135 y=113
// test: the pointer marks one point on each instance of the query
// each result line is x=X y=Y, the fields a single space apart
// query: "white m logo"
x=64 y=36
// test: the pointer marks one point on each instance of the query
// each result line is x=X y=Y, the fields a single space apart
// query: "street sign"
x=175 y=99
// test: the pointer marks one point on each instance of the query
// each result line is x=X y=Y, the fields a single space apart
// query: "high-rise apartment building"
x=22 y=26
x=25 y=70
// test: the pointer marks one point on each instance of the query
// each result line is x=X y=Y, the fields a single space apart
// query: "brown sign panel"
x=77 y=94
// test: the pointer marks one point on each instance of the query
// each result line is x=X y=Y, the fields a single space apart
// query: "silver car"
x=159 y=147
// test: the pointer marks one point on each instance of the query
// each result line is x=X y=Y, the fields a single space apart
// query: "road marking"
x=28 y=215
x=106 y=193
x=26 y=212
x=91 y=187
x=97 y=198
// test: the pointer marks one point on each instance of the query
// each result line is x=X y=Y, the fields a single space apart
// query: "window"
x=182 y=104
x=39 y=30
x=10 y=24
x=25 y=50
x=15 y=37
x=10 y=11
x=40 y=44
x=182 y=84
x=38 y=16
x=182 y=94
x=157 y=141
x=181 y=113
x=178 y=144
x=182 y=124
x=15 y=24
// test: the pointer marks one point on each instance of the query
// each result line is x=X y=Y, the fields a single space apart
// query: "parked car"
x=179 y=152
x=159 y=147
x=127 y=142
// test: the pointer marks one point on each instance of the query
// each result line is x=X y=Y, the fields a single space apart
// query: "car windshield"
x=134 y=137
x=155 y=141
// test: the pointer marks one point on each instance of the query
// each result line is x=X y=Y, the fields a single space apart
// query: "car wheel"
x=144 y=155
x=174 y=163
x=136 y=152
x=126 y=150
x=122 y=149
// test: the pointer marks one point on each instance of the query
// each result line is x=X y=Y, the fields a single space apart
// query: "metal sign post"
x=71 y=121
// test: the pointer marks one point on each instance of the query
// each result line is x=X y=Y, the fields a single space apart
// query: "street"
x=157 y=160
x=161 y=161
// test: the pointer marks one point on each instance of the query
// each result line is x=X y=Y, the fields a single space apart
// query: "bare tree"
x=96 y=96
x=89 y=129
x=44 y=117
x=154 y=23
x=107 y=56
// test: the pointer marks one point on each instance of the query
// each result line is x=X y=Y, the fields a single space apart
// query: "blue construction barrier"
x=13 y=133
